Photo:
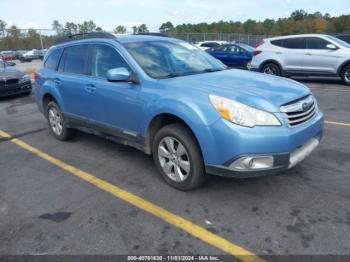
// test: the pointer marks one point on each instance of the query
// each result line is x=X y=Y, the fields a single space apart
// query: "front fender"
x=199 y=118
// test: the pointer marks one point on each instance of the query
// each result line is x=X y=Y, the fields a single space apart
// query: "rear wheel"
x=57 y=124
x=178 y=157
x=271 y=69
x=345 y=75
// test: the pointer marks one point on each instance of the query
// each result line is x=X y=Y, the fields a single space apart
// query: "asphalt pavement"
x=46 y=210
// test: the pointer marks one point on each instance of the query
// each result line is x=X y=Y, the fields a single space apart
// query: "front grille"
x=11 y=81
x=300 y=112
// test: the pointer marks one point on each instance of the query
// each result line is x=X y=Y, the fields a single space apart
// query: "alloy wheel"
x=270 y=70
x=347 y=75
x=55 y=121
x=174 y=159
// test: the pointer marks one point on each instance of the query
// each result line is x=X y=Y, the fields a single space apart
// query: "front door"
x=116 y=104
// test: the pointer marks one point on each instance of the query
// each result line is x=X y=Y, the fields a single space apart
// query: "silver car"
x=308 y=55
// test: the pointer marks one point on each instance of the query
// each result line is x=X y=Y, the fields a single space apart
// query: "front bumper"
x=228 y=143
x=14 y=89
x=280 y=163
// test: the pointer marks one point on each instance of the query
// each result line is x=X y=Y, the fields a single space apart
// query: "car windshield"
x=339 y=41
x=165 y=59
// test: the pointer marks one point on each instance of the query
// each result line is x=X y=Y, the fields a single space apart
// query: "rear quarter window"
x=53 y=59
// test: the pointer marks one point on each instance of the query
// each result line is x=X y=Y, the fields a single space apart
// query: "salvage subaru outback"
x=170 y=99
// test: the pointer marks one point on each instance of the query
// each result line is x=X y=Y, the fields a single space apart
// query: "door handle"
x=57 y=81
x=91 y=88
x=279 y=53
x=308 y=54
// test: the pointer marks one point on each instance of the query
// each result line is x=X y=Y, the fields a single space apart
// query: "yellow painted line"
x=337 y=123
x=171 y=218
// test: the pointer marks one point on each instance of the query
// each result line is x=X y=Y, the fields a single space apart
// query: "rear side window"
x=76 y=58
x=220 y=48
x=316 y=43
x=53 y=59
x=277 y=42
x=105 y=58
x=295 y=43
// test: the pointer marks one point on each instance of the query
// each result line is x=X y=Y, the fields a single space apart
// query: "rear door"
x=220 y=52
x=77 y=94
x=293 y=53
x=237 y=56
x=319 y=58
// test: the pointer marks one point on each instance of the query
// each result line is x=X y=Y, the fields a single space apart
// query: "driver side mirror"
x=331 y=47
x=121 y=74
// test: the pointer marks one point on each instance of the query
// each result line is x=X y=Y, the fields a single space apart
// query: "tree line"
x=298 y=22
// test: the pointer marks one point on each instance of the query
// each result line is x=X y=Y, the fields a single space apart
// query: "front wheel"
x=346 y=75
x=178 y=157
x=271 y=69
x=57 y=124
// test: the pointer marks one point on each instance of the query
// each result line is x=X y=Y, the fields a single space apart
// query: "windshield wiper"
x=209 y=70
x=171 y=75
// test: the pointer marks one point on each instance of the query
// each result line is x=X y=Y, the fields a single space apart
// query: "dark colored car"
x=233 y=55
x=13 y=81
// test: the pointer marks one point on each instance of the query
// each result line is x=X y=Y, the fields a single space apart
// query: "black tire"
x=66 y=133
x=271 y=69
x=345 y=75
x=196 y=175
x=247 y=65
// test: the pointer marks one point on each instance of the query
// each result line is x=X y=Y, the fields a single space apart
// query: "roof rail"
x=153 y=34
x=85 y=36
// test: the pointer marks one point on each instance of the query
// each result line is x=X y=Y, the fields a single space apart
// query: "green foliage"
x=120 y=29
x=299 y=22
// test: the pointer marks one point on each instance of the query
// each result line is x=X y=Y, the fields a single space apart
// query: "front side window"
x=53 y=59
x=76 y=59
x=295 y=43
x=233 y=49
x=162 y=59
x=316 y=43
x=105 y=58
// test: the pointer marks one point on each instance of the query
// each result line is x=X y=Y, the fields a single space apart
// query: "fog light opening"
x=252 y=163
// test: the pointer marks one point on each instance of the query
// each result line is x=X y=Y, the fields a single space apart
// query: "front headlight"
x=24 y=78
x=242 y=114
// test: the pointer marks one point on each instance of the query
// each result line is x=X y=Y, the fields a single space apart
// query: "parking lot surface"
x=44 y=209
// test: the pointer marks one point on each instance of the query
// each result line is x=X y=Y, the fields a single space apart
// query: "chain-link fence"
x=251 y=40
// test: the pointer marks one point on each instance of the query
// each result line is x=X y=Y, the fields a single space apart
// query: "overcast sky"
x=109 y=13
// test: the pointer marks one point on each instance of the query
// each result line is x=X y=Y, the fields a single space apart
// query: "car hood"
x=254 y=89
x=10 y=73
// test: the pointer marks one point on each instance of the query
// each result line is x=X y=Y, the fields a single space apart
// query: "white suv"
x=310 y=55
